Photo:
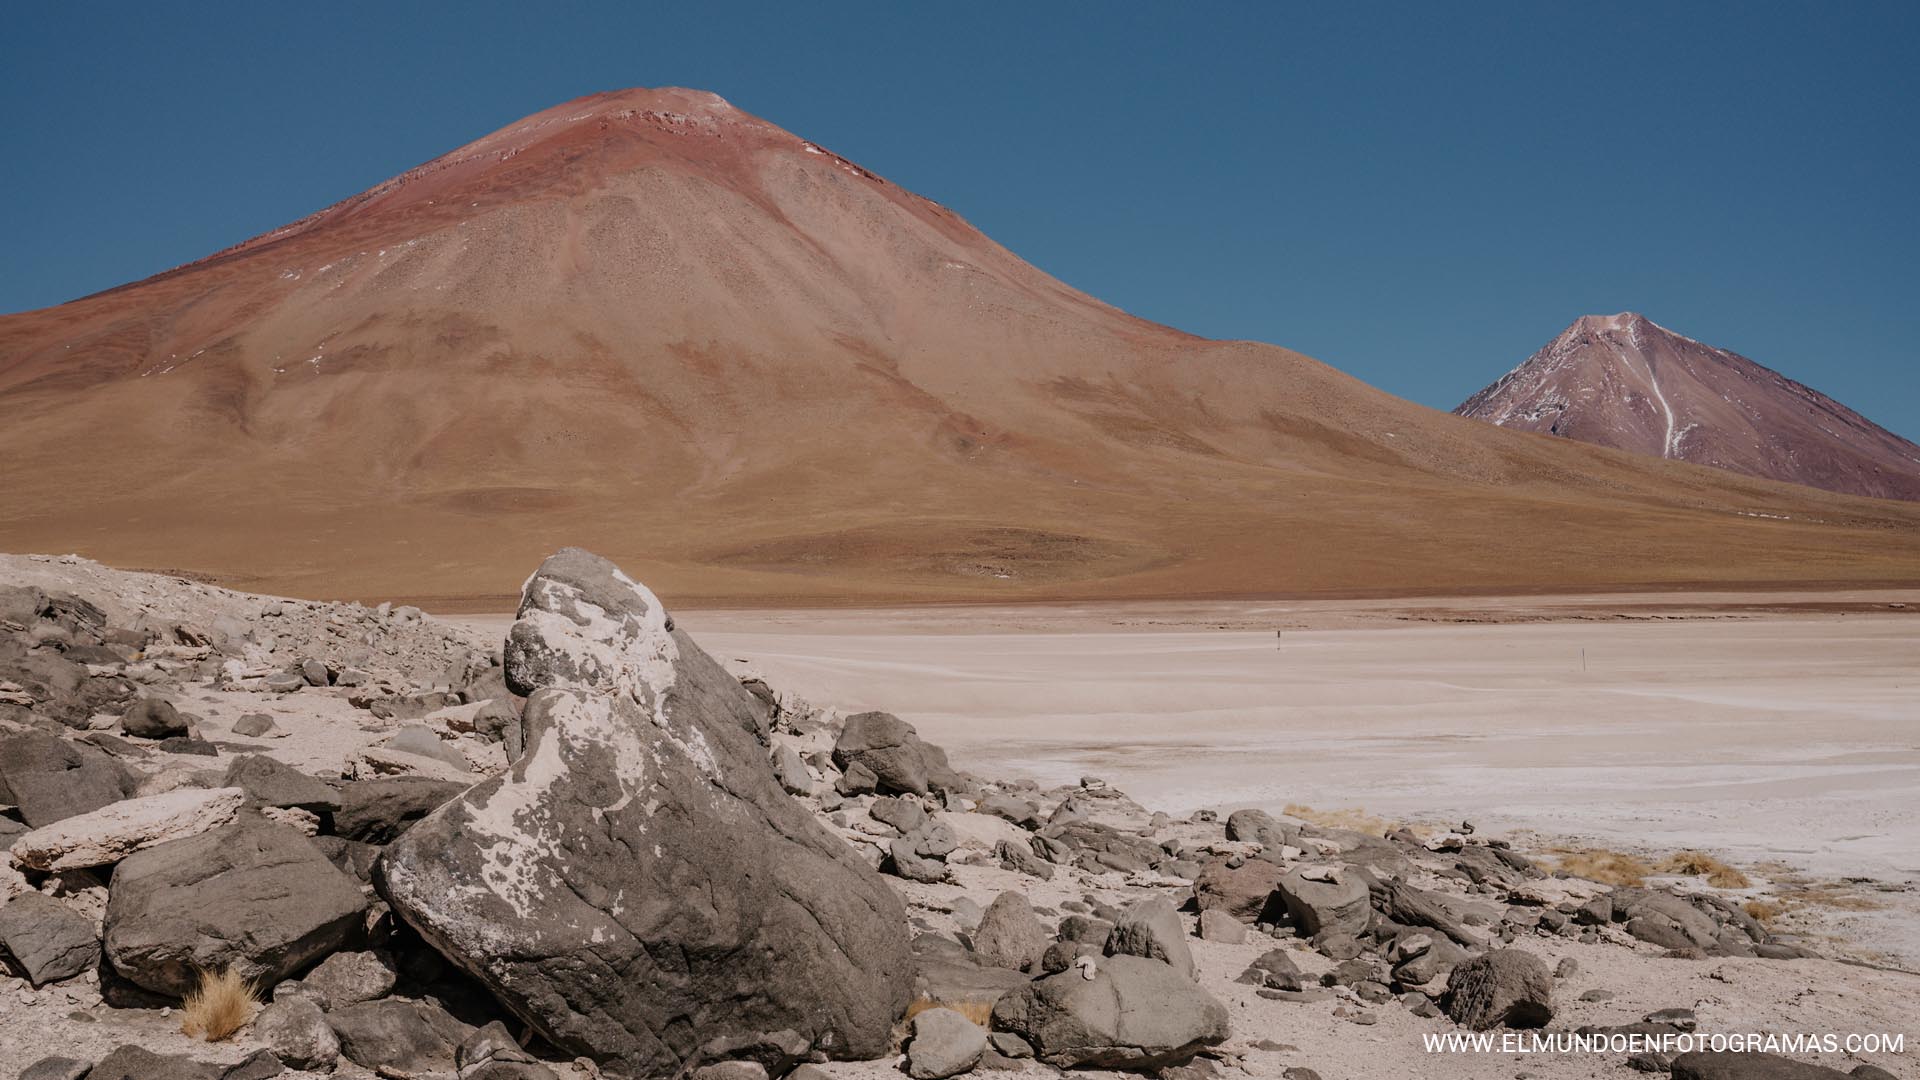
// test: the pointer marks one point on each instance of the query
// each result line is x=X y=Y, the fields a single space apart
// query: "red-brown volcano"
x=650 y=324
x=1627 y=382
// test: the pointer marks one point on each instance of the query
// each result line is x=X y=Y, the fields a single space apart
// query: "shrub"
x=1700 y=864
x=221 y=1005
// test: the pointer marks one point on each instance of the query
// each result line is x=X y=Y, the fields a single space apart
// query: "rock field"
x=592 y=850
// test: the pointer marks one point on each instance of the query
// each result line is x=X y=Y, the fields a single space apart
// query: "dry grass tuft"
x=1828 y=894
x=1764 y=912
x=1352 y=817
x=1700 y=864
x=1603 y=866
x=223 y=1004
x=980 y=1012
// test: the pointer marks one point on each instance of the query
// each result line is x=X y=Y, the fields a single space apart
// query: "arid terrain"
x=753 y=371
x=599 y=850
x=1775 y=730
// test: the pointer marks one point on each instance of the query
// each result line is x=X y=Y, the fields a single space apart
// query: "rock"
x=491 y=1053
x=731 y=1070
x=49 y=940
x=1010 y=935
x=1261 y=828
x=251 y=894
x=905 y=861
x=1505 y=986
x=889 y=747
x=1150 y=927
x=1729 y=1065
x=297 y=1032
x=1664 y=919
x=1274 y=970
x=259 y=1065
x=153 y=718
x=285 y=682
x=111 y=833
x=138 y=1063
x=1134 y=1013
x=1323 y=900
x=411 y=1036
x=257 y=726
x=982 y=832
x=793 y=774
x=1567 y=968
x=314 y=672
x=857 y=779
x=349 y=978
x=378 y=811
x=1245 y=891
x=49 y=779
x=944 y=1044
x=947 y=972
x=57 y=1068
x=904 y=814
x=1217 y=925
x=269 y=782
x=637 y=884
x=1021 y=859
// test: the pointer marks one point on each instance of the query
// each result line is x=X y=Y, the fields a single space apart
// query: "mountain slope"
x=1627 y=382
x=653 y=325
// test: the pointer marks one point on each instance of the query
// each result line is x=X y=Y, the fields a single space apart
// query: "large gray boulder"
x=1134 y=1013
x=50 y=779
x=297 y=1032
x=944 y=1044
x=252 y=894
x=375 y=811
x=637 y=886
x=411 y=1037
x=1150 y=927
x=1506 y=986
x=900 y=760
x=1326 y=899
x=49 y=940
x=1010 y=935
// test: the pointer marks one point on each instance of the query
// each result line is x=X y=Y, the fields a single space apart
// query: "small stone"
x=944 y=1044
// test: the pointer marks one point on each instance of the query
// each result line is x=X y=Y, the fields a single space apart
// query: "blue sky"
x=1419 y=194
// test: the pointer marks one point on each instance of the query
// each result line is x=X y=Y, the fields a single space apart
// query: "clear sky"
x=1420 y=194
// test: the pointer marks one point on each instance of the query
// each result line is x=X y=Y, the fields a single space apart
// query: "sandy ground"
x=1764 y=728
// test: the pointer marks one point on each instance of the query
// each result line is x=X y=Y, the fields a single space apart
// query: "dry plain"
x=1779 y=731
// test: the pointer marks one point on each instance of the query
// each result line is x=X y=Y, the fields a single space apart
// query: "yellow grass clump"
x=980 y=1012
x=1603 y=866
x=1764 y=911
x=221 y=1005
x=1700 y=864
x=1352 y=817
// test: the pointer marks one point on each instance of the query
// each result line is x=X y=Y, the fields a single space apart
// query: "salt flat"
x=1790 y=739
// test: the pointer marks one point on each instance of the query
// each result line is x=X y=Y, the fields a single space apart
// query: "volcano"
x=648 y=323
x=1627 y=382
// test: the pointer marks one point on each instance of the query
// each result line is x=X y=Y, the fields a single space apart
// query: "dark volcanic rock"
x=138 y=1063
x=1134 y=1013
x=899 y=759
x=638 y=886
x=252 y=894
x=377 y=811
x=1726 y=1065
x=411 y=1036
x=51 y=779
x=269 y=782
x=1505 y=986
x=49 y=940
x=153 y=718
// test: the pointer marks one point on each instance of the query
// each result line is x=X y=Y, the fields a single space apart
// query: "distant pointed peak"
x=1625 y=320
